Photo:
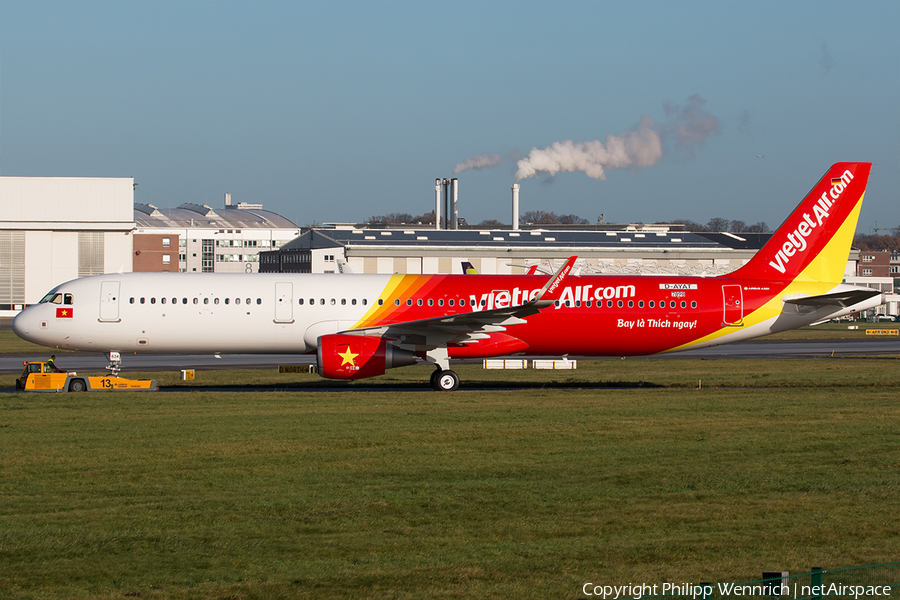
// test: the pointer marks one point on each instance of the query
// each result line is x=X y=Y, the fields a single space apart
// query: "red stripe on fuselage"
x=581 y=328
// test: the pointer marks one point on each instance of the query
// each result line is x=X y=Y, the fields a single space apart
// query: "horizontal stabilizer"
x=842 y=299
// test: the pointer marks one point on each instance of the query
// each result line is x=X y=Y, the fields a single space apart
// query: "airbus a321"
x=361 y=325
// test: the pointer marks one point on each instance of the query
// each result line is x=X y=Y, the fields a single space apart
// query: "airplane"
x=361 y=325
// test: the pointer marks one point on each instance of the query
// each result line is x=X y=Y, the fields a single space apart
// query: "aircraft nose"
x=22 y=324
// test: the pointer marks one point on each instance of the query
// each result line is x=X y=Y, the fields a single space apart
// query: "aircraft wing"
x=470 y=327
x=843 y=299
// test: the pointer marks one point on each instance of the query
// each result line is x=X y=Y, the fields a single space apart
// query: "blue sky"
x=337 y=111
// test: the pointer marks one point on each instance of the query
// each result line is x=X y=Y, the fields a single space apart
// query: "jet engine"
x=343 y=356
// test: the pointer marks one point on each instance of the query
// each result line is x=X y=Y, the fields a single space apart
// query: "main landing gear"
x=444 y=380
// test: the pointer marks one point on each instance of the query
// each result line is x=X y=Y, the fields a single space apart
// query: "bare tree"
x=718 y=224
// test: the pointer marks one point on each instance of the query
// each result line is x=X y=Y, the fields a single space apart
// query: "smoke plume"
x=638 y=148
x=478 y=162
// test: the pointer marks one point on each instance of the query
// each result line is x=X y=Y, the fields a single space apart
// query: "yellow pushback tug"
x=42 y=377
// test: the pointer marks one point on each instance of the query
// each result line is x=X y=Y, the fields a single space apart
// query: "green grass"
x=528 y=493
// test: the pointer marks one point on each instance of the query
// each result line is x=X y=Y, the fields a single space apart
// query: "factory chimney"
x=227 y=199
x=437 y=203
x=454 y=199
x=515 y=206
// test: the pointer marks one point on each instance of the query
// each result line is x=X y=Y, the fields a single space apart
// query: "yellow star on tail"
x=347 y=357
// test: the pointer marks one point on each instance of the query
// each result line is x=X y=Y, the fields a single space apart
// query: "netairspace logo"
x=727 y=590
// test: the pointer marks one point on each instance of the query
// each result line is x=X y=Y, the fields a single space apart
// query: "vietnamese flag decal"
x=63 y=313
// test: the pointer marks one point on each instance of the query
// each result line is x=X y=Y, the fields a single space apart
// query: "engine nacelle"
x=343 y=356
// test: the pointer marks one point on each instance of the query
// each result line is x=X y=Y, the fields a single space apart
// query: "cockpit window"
x=67 y=299
x=51 y=297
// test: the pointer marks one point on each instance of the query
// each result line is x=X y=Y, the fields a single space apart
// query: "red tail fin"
x=814 y=242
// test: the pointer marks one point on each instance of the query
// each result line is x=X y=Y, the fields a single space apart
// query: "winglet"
x=553 y=289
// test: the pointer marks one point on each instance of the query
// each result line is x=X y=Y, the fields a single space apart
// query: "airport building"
x=614 y=249
x=195 y=238
x=53 y=229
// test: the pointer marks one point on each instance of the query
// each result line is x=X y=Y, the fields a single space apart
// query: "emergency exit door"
x=284 y=302
x=109 y=301
x=733 y=301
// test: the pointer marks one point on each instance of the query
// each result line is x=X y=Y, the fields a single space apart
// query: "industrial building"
x=195 y=238
x=53 y=229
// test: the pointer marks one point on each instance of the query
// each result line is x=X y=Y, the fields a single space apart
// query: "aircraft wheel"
x=77 y=385
x=446 y=381
x=434 y=375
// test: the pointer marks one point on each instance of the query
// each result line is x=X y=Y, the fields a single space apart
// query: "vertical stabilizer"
x=814 y=242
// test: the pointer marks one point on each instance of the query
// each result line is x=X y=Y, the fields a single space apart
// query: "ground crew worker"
x=53 y=366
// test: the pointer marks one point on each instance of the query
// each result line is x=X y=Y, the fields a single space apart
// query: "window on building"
x=167 y=258
x=867 y=272
x=166 y=242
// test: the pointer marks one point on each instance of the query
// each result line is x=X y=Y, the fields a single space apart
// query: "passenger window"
x=409 y=301
x=131 y=300
x=651 y=304
x=672 y=304
x=142 y=300
x=333 y=302
x=683 y=304
x=631 y=304
x=237 y=300
x=450 y=302
x=640 y=304
x=588 y=304
x=609 y=304
x=353 y=302
x=619 y=304
x=152 y=300
x=431 y=302
x=248 y=301
x=259 y=301
x=694 y=304
x=67 y=299
x=483 y=302
x=567 y=303
x=380 y=302
x=163 y=300
x=174 y=300
x=184 y=300
x=343 y=301
x=366 y=301
x=196 y=301
x=397 y=302
x=216 y=301
x=557 y=303
x=419 y=302
x=206 y=301
x=441 y=302
x=300 y=301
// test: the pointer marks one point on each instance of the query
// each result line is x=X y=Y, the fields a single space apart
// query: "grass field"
x=528 y=493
